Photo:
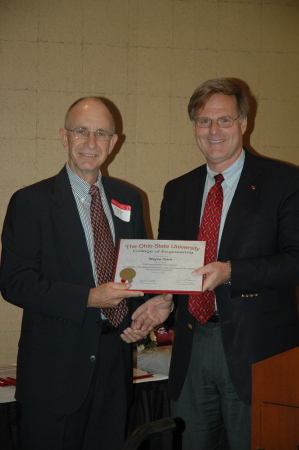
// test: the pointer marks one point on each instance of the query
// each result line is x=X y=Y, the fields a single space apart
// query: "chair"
x=154 y=433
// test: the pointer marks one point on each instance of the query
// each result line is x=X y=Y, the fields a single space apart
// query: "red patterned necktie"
x=202 y=306
x=104 y=253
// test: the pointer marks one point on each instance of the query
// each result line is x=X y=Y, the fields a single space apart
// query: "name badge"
x=123 y=212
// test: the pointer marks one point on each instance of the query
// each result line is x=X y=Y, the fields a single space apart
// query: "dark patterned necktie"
x=104 y=253
x=202 y=306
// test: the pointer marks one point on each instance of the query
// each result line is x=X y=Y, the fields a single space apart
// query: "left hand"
x=130 y=336
x=214 y=274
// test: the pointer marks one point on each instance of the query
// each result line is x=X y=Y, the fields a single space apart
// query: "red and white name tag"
x=123 y=212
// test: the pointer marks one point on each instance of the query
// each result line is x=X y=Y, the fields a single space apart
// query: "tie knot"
x=94 y=190
x=219 y=178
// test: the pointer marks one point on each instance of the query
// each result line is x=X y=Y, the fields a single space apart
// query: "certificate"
x=160 y=266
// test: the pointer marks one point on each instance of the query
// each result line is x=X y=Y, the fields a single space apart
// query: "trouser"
x=208 y=402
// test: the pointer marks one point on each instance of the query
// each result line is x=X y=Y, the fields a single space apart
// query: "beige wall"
x=147 y=56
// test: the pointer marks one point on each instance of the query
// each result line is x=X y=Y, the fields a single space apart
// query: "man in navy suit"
x=254 y=276
x=74 y=372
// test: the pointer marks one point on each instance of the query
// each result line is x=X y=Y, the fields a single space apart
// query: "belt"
x=214 y=318
x=108 y=328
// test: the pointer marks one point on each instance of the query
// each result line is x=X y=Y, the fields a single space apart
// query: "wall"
x=147 y=56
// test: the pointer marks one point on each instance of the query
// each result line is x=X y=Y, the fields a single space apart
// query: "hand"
x=152 y=313
x=130 y=336
x=214 y=274
x=109 y=295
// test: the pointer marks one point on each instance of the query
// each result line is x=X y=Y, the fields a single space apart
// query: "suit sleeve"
x=274 y=253
x=26 y=279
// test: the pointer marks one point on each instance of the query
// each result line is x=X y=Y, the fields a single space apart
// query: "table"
x=10 y=413
x=150 y=403
x=7 y=393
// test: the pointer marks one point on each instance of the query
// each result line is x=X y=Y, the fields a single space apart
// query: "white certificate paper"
x=160 y=266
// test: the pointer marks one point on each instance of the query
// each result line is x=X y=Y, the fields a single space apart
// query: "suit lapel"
x=117 y=223
x=71 y=230
x=193 y=193
x=246 y=192
x=112 y=193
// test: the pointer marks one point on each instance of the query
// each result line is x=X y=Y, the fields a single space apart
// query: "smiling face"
x=221 y=146
x=85 y=156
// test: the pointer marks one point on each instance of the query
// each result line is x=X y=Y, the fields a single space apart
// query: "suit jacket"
x=258 y=312
x=46 y=270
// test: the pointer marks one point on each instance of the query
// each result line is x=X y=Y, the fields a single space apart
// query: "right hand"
x=151 y=313
x=109 y=295
x=214 y=274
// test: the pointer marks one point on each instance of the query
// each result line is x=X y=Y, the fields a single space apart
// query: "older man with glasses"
x=74 y=372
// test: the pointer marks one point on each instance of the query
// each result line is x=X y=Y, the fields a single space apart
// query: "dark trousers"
x=99 y=423
x=208 y=402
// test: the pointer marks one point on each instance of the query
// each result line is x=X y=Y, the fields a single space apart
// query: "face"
x=221 y=146
x=85 y=156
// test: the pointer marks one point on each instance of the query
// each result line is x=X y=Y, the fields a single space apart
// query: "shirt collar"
x=232 y=172
x=80 y=186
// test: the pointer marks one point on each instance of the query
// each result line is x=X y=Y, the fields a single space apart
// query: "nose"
x=91 y=140
x=214 y=128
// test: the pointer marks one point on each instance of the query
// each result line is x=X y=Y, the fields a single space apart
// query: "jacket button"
x=190 y=326
x=92 y=358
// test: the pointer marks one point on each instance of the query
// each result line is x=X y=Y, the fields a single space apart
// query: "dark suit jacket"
x=46 y=270
x=258 y=312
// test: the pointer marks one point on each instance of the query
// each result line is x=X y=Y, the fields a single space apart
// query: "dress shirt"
x=80 y=190
x=229 y=185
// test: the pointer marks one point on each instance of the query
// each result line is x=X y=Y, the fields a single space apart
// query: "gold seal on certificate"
x=160 y=265
x=127 y=274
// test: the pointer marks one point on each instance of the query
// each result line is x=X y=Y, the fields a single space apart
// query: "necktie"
x=202 y=306
x=104 y=253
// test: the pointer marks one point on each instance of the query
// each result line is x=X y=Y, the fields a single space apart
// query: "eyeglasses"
x=83 y=133
x=222 y=122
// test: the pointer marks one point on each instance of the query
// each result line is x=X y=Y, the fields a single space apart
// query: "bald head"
x=87 y=101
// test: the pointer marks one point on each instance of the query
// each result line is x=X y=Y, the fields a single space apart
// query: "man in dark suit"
x=253 y=277
x=74 y=372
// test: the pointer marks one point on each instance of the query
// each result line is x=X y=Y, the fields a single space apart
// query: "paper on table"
x=138 y=373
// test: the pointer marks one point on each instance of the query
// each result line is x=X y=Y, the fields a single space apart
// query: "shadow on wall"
x=251 y=117
x=104 y=168
x=251 y=122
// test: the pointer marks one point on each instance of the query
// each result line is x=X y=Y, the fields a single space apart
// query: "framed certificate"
x=160 y=266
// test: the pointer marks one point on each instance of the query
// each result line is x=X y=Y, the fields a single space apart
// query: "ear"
x=113 y=141
x=193 y=128
x=244 y=125
x=63 y=138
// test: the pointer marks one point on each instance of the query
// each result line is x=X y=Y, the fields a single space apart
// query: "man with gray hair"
x=74 y=371
x=246 y=208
